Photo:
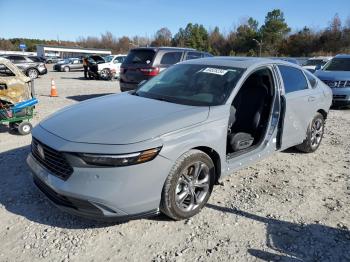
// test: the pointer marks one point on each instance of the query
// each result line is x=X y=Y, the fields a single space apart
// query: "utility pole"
x=260 y=43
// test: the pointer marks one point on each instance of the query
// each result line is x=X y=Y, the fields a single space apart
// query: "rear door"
x=299 y=105
x=138 y=66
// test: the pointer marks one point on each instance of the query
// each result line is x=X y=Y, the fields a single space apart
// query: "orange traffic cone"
x=53 y=89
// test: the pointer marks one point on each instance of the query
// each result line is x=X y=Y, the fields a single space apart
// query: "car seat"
x=246 y=112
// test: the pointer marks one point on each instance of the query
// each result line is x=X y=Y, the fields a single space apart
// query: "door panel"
x=296 y=119
x=300 y=105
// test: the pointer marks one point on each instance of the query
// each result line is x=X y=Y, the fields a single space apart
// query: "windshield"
x=338 y=64
x=108 y=58
x=196 y=85
x=315 y=62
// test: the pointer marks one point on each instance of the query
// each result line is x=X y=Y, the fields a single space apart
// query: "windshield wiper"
x=161 y=98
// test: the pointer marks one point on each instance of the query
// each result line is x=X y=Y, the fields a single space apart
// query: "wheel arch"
x=215 y=157
x=323 y=113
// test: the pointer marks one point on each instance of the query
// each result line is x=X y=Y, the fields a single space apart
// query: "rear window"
x=142 y=57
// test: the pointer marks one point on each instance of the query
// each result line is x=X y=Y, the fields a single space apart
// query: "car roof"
x=342 y=56
x=239 y=62
x=165 y=48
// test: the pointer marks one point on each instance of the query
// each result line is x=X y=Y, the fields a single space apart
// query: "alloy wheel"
x=192 y=186
x=32 y=73
x=316 y=132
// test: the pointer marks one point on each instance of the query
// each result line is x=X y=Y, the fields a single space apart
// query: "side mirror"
x=141 y=83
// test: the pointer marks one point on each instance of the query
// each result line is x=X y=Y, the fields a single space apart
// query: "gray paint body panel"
x=144 y=123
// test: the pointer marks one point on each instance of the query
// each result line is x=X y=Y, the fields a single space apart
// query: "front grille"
x=339 y=96
x=337 y=84
x=51 y=159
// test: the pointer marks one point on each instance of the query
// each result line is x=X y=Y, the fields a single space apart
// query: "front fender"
x=211 y=134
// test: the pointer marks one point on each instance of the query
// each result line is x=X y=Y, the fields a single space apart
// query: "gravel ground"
x=289 y=207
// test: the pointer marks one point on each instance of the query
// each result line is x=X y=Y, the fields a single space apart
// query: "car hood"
x=121 y=119
x=333 y=75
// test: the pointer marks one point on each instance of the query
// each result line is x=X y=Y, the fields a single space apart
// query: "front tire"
x=188 y=185
x=314 y=135
x=66 y=69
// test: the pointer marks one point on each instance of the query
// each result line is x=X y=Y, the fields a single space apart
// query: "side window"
x=119 y=60
x=18 y=58
x=193 y=55
x=171 y=58
x=293 y=79
x=311 y=78
x=5 y=71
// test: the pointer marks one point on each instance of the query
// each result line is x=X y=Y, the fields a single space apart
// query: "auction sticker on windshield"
x=216 y=71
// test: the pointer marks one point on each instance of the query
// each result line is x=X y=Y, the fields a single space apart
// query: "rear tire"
x=66 y=69
x=32 y=73
x=314 y=135
x=188 y=185
x=24 y=128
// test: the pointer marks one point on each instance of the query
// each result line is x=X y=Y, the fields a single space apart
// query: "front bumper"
x=341 y=96
x=120 y=193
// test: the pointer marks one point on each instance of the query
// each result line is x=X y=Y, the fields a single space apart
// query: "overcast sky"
x=69 y=19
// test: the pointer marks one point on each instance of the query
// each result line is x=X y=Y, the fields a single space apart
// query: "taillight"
x=152 y=71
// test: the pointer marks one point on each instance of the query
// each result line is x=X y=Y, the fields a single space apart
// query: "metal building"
x=66 y=51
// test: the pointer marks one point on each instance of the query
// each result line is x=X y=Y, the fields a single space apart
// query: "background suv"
x=336 y=74
x=28 y=66
x=145 y=62
x=111 y=68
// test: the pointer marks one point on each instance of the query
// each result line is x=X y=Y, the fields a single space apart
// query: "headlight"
x=120 y=160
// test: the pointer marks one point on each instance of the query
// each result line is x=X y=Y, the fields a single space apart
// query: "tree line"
x=273 y=38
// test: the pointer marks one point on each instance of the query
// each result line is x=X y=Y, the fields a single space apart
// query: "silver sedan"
x=163 y=147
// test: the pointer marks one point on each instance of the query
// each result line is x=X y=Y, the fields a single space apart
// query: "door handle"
x=311 y=98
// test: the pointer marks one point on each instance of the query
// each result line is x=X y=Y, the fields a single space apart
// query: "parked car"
x=146 y=62
x=336 y=74
x=30 y=68
x=69 y=64
x=111 y=68
x=53 y=59
x=171 y=140
x=316 y=63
